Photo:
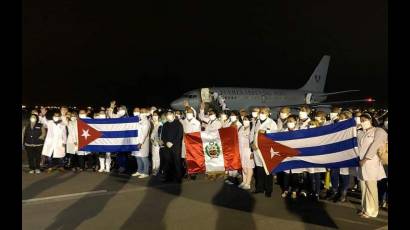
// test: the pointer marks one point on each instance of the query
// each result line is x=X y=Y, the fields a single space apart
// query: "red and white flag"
x=213 y=151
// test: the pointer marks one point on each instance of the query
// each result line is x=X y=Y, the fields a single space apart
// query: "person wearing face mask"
x=33 y=135
x=334 y=115
x=155 y=142
x=189 y=125
x=63 y=112
x=315 y=174
x=254 y=119
x=144 y=126
x=72 y=140
x=303 y=122
x=55 y=142
x=224 y=119
x=136 y=112
x=121 y=112
x=178 y=115
x=320 y=116
x=243 y=113
x=172 y=134
x=244 y=133
x=292 y=177
x=263 y=182
x=234 y=119
x=371 y=170
x=211 y=122
x=284 y=113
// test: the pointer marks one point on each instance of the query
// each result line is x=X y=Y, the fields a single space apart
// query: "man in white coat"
x=55 y=143
x=263 y=182
x=211 y=121
x=144 y=126
x=190 y=124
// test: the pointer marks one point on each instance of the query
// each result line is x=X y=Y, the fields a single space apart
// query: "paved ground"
x=99 y=201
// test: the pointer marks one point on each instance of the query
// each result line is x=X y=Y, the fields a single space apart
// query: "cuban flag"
x=330 y=146
x=108 y=135
x=212 y=151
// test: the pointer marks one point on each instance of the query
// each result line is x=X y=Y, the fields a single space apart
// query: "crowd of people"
x=52 y=144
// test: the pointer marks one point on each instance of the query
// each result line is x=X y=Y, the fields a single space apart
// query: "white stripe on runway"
x=62 y=196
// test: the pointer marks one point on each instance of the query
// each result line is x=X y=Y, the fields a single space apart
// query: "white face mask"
x=386 y=124
x=254 y=114
x=189 y=116
x=178 y=116
x=82 y=116
x=170 y=118
x=333 y=116
x=357 y=119
x=312 y=126
x=366 y=124
x=224 y=117
x=121 y=112
x=55 y=119
x=212 y=117
x=283 y=115
x=303 y=115
x=233 y=118
x=246 y=123
x=291 y=125
x=263 y=116
x=155 y=118
x=136 y=114
x=33 y=120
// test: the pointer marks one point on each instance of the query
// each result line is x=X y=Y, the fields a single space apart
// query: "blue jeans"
x=335 y=177
x=143 y=165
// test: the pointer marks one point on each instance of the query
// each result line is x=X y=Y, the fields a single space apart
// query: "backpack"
x=383 y=153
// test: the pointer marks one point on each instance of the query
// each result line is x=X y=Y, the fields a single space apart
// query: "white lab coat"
x=72 y=137
x=143 y=127
x=189 y=127
x=245 y=151
x=369 y=142
x=56 y=137
x=269 y=126
x=213 y=125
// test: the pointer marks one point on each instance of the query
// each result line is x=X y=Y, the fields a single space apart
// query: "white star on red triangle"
x=85 y=134
x=273 y=153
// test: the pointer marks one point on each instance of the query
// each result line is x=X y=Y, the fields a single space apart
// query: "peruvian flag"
x=213 y=151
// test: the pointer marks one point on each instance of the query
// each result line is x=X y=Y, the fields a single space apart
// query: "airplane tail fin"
x=317 y=80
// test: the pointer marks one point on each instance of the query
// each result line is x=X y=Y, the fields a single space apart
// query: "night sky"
x=151 y=52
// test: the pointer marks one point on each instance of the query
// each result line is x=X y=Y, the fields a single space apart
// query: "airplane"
x=236 y=98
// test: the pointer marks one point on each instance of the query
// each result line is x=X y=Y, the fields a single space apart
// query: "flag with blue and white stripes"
x=330 y=146
x=108 y=135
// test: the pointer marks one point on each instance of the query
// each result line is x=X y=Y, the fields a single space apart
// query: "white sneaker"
x=241 y=185
x=31 y=172
x=246 y=187
x=142 y=176
x=285 y=194
x=101 y=170
x=293 y=196
x=38 y=171
x=107 y=170
x=136 y=174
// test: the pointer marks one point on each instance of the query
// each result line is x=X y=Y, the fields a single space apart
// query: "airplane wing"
x=328 y=104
